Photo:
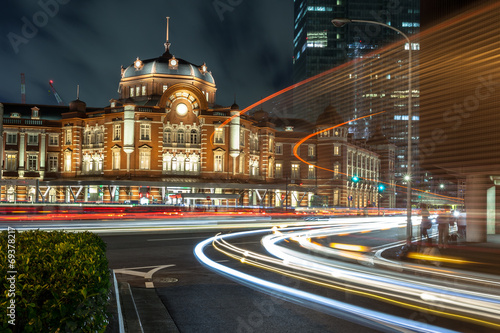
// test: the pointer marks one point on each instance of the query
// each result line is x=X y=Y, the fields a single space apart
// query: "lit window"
x=311 y=172
x=336 y=170
x=116 y=160
x=271 y=169
x=165 y=87
x=219 y=136
x=242 y=163
x=317 y=39
x=279 y=170
x=11 y=162
x=117 y=130
x=67 y=161
x=144 y=160
x=138 y=91
x=67 y=138
x=295 y=174
x=145 y=132
x=218 y=163
x=144 y=91
x=254 y=168
x=132 y=92
x=336 y=150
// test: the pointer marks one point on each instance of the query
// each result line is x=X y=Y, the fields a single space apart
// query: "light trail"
x=475 y=307
x=343 y=310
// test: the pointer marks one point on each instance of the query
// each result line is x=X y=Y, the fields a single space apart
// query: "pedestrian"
x=426 y=223
x=443 y=221
x=461 y=223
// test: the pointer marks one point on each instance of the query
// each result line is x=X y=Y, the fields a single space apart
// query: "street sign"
x=208 y=197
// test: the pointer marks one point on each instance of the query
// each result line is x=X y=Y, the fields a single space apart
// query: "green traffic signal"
x=381 y=187
x=355 y=179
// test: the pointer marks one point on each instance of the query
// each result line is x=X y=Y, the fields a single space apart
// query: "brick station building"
x=162 y=141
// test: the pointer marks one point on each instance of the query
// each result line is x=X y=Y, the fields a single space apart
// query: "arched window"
x=194 y=137
x=180 y=136
x=174 y=164
x=167 y=136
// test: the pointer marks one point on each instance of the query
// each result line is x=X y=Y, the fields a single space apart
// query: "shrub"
x=62 y=282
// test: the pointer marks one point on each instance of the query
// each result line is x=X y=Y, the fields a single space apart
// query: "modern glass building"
x=377 y=81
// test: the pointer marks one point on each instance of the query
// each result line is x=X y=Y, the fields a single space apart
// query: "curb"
x=138 y=310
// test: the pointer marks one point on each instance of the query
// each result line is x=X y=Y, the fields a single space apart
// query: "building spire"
x=167 y=43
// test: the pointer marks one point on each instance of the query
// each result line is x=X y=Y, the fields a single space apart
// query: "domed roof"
x=160 y=65
x=329 y=117
x=77 y=105
x=235 y=106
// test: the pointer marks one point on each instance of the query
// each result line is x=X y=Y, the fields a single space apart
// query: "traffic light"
x=381 y=188
x=355 y=179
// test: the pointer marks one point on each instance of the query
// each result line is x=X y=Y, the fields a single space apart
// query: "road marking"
x=168 y=239
x=146 y=275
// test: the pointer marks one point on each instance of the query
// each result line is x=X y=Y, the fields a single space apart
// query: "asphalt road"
x=199 y=300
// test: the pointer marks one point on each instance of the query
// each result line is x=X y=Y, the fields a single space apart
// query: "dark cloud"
x=85 y=42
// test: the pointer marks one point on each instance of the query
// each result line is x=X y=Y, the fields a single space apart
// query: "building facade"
x=164 y=140
x=374 y=83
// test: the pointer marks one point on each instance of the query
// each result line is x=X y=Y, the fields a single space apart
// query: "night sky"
x=246 y=44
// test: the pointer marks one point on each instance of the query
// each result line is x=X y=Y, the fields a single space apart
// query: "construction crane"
x=59 y=100
x=23 y=89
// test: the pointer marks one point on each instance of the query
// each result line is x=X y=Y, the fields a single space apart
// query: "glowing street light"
x=340 y=22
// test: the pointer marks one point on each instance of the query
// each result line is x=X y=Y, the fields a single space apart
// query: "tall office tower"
x=378 y=81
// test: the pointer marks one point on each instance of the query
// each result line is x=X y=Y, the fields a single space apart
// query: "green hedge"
x=62 y=282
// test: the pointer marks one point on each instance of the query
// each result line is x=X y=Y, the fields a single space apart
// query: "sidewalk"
x=138 y=310
x=474 y=257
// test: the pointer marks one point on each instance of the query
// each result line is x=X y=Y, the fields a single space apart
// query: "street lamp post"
x=340 y=22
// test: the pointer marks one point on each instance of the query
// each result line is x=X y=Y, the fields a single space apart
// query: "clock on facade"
x=181 y=109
